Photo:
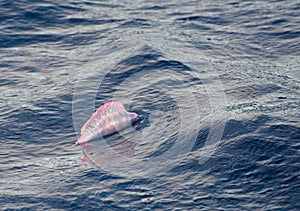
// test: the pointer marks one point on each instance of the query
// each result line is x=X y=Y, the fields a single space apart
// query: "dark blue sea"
x=217 y=84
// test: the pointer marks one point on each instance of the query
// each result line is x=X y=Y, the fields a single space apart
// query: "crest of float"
x=108 y=119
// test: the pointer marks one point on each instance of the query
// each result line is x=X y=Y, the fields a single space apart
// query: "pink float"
x=110 y=118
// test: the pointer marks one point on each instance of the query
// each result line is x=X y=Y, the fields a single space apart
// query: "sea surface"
x=217 y=83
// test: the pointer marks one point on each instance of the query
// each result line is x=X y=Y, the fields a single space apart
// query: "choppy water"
x=217 y=82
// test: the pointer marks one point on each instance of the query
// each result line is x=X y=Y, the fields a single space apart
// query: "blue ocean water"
x=217 y=83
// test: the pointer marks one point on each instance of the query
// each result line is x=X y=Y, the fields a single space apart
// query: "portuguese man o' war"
x=108 y=119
